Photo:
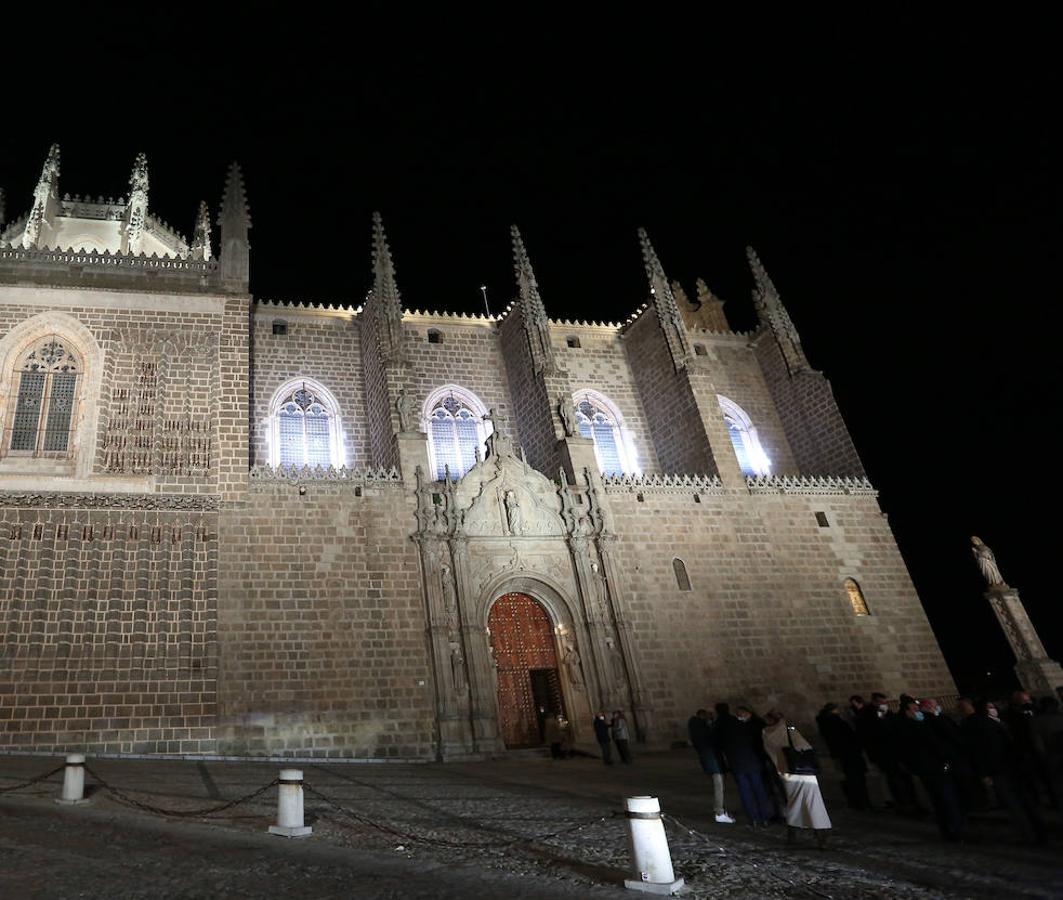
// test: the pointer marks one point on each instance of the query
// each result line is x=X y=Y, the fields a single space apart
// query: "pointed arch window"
x=682 y=579
x=305 y=427
x=45 y=399
x=456 y=430
x=751 y=456
x=599 y=420
x=856 y=598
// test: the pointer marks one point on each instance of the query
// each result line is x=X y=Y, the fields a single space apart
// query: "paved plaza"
x=466 y=830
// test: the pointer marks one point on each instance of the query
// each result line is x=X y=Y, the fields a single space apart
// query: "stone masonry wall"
x=675 y=422
x=601 y=363
x=535 y=429
x=108 y=620
x=814 y=426
x=768 y=621
x=322 y=627
x=326 y=349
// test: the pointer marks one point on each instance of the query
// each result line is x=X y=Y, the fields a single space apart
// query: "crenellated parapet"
x=663 y=484
x=299 y=474
x=810 y=484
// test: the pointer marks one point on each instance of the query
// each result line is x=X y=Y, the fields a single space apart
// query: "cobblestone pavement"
x=468 y=830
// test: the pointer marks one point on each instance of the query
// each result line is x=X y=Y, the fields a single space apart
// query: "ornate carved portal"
x=525 y=653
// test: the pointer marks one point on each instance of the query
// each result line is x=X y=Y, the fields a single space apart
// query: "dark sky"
x=899 y=178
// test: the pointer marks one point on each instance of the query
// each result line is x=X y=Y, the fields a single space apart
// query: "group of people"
x=1010 y=757
x=771 y=763
x=557 y=732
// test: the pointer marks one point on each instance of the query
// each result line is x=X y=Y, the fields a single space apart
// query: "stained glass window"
x=856 y=598
x=306 y=429
x=45 y=399
x=456 y=431
x=600 y=423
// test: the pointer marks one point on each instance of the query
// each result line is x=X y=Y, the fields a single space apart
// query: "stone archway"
x=527 y=667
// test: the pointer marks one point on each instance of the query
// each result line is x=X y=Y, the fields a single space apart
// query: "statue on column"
x=987 y=562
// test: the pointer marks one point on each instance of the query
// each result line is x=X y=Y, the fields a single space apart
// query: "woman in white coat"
x=804 y=802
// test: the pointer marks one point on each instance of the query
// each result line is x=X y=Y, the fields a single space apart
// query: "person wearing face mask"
x=995 y=762
x=876 y=727
x=923 y=756
x=948 y=734
x=743 y=751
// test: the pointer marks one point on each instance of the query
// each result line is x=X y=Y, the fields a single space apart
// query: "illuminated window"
x=751 y=457
x=682 y=579
x=305 y=427
x=454 y=420
x=856 y=598
x=45 y=399
x=599 y=420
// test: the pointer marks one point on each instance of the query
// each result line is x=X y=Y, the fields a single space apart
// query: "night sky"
x=900 y=180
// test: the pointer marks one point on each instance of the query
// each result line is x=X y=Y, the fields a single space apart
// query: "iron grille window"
x=45 y=400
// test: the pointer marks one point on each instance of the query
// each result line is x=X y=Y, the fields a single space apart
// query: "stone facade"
x=170 y=587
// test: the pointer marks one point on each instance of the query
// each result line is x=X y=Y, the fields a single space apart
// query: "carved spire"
x=2 y=210
x=533 y=312
x=386 y=294
x=136 y=213
x=234 y=253
x=664 y=302
x=45 y=199
x=772 y=314
x=200 y=248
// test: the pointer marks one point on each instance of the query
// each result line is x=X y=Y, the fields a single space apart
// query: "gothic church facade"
x=253 y=527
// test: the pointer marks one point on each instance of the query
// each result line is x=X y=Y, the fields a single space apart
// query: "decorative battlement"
x=106 y=259
x=462 y=317
x=342 y=475
x=664 y=484
x=810 y=484
x=306 y=307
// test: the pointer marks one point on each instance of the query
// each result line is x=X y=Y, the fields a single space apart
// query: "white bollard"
x=650 y=859
x=290 y=806
x=73 y=780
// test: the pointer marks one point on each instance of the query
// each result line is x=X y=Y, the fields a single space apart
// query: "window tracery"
x=45 y=399
x=456 y=431
x=599 y=420
x=751 y=456
x=306 y=427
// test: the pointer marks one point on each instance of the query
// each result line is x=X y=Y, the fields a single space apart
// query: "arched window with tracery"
x=856 y=598
x=751 y=456
x=454 y=420
x=45 y=399
x=599 y=420
x=305 y=428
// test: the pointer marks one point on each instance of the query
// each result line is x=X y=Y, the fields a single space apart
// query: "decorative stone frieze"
x=666 y=484
x=295 y=474
x=62 y=500
x=810 y=484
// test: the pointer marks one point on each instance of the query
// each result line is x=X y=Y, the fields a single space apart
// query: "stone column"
x=577 y=457
x=594 y=622
x=413 y=452
x=1037 y=673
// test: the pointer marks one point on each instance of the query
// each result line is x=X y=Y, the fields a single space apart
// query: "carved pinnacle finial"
x=533 y=312
x=654 y=269
x=200 y=248
x=234 y=208
x=664 y=302
x=51 y=164
x=138 y=180
x=772 y=313
x=386 y=293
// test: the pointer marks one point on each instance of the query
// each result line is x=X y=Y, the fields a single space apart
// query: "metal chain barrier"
x=728 y=854
x=32 y=781
x=124 y=798
x=442 y=842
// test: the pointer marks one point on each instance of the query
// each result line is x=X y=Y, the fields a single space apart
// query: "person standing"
x=923 y=756
x=844 y=746
x=621 y=736
x=1035 y=777
x=743 y=751
x=877 y=728
x=555 y=736
x=950 y=738
x=700 y=729
x=804 y=801
x=604 y=738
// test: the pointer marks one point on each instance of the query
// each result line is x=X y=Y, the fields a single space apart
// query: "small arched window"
x=699 y=350
x=598 y=419
x=45 y=399
x=305 y=427
x=751 y=457
x=435 y=336
x=456 y=430
x=856 y=598
x=682 y=579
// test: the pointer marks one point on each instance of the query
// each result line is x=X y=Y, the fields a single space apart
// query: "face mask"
x=743 y=718
x=919 y=716
x=884 y=708
x=993 y=714
x=937 y=712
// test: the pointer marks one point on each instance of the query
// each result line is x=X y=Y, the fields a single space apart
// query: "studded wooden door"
x=522 y=638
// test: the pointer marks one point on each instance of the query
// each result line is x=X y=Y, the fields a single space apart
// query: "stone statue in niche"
x=565 y=413
x=616 y=663
x=571 y=661
x=457 y=668
x=514 y=521
x=987 y=562
x=406 y=407
x=450 y=600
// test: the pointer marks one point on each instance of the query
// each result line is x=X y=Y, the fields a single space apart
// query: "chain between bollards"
x=32 y=781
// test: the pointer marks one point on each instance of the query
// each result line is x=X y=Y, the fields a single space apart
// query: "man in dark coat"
x=1033 y=763
x=876 y=728
x=922 y=755
x=844 y=746
x=995 y=761
x=603 y=736
x=702 y=739
x=743 y=750
x=950 y=738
